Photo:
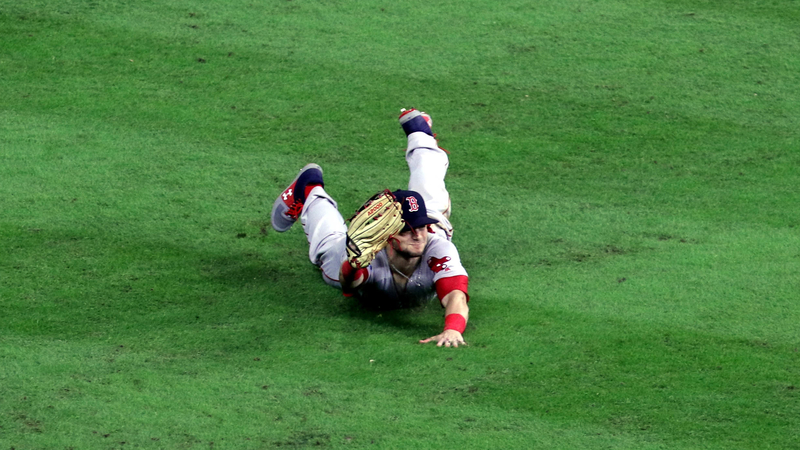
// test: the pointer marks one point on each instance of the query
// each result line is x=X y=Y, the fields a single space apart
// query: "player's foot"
x=414 y=121
x=289 y=204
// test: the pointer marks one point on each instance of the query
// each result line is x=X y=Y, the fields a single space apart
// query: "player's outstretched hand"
x=448 y=338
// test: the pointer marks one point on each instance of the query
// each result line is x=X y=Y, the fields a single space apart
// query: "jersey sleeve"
x=448 y=274
x=450 y=284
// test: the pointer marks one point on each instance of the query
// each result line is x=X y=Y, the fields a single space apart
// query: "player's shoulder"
x=442 y=258
x=440 y=245
x=435 y=239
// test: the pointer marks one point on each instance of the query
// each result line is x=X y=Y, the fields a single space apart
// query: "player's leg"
x=324 y=226
x=325 y=230
x=427 y=164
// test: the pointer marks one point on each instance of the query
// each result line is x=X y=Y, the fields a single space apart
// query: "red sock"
x=309 y=187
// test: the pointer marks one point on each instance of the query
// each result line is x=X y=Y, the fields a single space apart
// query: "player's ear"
x=430 y=229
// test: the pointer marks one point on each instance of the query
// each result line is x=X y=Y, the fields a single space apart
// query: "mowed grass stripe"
x=623 y=201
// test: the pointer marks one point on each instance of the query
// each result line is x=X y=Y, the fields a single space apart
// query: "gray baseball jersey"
x=440 y=260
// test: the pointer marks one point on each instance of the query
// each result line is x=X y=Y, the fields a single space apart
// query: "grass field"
x=624 y=178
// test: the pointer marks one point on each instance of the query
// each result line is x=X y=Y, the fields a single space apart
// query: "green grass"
x=624 y=180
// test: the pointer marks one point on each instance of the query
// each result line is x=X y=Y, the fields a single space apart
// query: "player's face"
x=411 y=244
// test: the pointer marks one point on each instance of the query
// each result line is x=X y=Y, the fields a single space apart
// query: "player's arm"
x=456 y=315
x=378 y=219
x=351 y=278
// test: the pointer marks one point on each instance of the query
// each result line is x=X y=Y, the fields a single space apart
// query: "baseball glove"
x=380 y=218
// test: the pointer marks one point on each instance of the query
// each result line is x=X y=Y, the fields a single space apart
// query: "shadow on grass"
x=414 y=321
x=299 y=287
x=97 y=282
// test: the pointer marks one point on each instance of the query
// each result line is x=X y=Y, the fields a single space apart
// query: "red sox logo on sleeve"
x=413 y=206
x=438 y=264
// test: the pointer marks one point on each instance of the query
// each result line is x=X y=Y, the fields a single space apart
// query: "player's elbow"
x=455 y=301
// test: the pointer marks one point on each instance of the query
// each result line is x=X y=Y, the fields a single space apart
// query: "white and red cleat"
x=414 y=121
x=289 y=204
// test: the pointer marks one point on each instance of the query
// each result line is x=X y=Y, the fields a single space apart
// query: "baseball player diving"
x=397 y=250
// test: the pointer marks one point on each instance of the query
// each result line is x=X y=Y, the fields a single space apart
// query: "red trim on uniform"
x=328 y=277
x=447 y=285
x=456 y=322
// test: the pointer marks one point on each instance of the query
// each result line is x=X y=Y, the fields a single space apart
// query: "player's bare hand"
x=448 y=338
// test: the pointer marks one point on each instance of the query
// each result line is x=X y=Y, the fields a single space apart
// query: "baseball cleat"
x=414 y=121
x=289 y=204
